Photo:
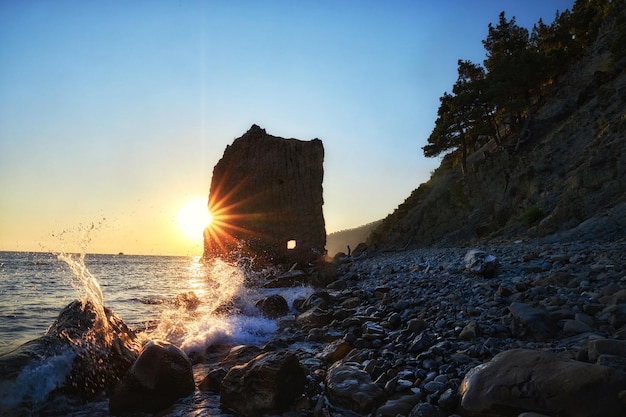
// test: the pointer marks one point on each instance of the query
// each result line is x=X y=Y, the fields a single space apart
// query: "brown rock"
x=161 y=375
x=266 y=193
x=526 y=380
x=98 y=354
x=267 y=384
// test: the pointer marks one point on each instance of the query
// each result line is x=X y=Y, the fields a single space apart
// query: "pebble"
x=418 y=321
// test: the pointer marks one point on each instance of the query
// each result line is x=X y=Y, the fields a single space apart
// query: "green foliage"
x=462 y=116
x=532 y=215
x=519 y=65
x=511 y=64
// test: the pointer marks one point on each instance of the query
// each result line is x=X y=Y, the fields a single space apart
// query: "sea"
x=145 y=291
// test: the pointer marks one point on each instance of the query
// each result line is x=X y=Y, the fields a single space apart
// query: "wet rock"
x=240 y=354
x=480 y=263
x=213 y=381
x=273 y=306
x=523 y=380
x=314 y=317
x=321 y=299
x=161 y=375
x=294 y=278
x=103 y=354
x=353 y=389
x=188 y=300
x=267 y=384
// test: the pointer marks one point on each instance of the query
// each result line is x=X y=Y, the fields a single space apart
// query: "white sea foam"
x=235 y=329
x=36 y=380
x=225 y=314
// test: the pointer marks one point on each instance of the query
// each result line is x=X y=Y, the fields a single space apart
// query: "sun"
x=192 y=218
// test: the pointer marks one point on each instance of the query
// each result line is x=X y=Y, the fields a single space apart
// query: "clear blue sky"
x=116 y=112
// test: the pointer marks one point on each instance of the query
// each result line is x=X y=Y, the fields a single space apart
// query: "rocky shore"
x=520 y=329
x=511 y=329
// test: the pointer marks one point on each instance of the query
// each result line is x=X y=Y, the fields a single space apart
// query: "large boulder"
x=82 y=354
x=266 y=198
x=268 y=384
x=273 y=306
x=351 y=388
x=161 y=375
x=105 y=348
x=521 y=380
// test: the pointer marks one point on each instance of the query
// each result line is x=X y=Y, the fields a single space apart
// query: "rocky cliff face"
x=564 y=176
x=266 y=198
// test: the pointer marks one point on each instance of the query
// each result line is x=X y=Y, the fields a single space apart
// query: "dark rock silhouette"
x=161 y=375
x=266 y=200
x=267 y=384
x=521 y=380
x=92 y=353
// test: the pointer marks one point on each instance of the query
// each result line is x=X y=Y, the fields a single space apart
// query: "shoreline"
x=417 y=321
x=413 y=324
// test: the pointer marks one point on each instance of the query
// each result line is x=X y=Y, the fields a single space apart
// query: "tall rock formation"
x=266 y=200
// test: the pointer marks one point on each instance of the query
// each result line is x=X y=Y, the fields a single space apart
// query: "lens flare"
x=192 y=218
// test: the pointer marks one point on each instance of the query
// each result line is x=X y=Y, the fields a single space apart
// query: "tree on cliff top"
x=462 y=116
x=518 y=68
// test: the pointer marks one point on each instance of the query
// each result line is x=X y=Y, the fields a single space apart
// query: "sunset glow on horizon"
x=115 y=113
x=192 y=218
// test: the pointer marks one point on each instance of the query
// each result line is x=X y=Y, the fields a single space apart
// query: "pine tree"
x=510 y=64
x=462 y=116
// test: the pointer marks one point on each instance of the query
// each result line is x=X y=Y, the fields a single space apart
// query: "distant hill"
x=338 y=241
x=563 y=174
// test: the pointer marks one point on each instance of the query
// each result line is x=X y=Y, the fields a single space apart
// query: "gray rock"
x=273 y=306
x=351 y=388
x=526 y=380
x=314 y=317
x=480 y=263
x=576 y=327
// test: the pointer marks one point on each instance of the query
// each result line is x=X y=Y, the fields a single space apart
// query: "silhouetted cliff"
x=562 y=175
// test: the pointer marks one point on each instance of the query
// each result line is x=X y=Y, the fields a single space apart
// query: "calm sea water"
x=142 y=290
